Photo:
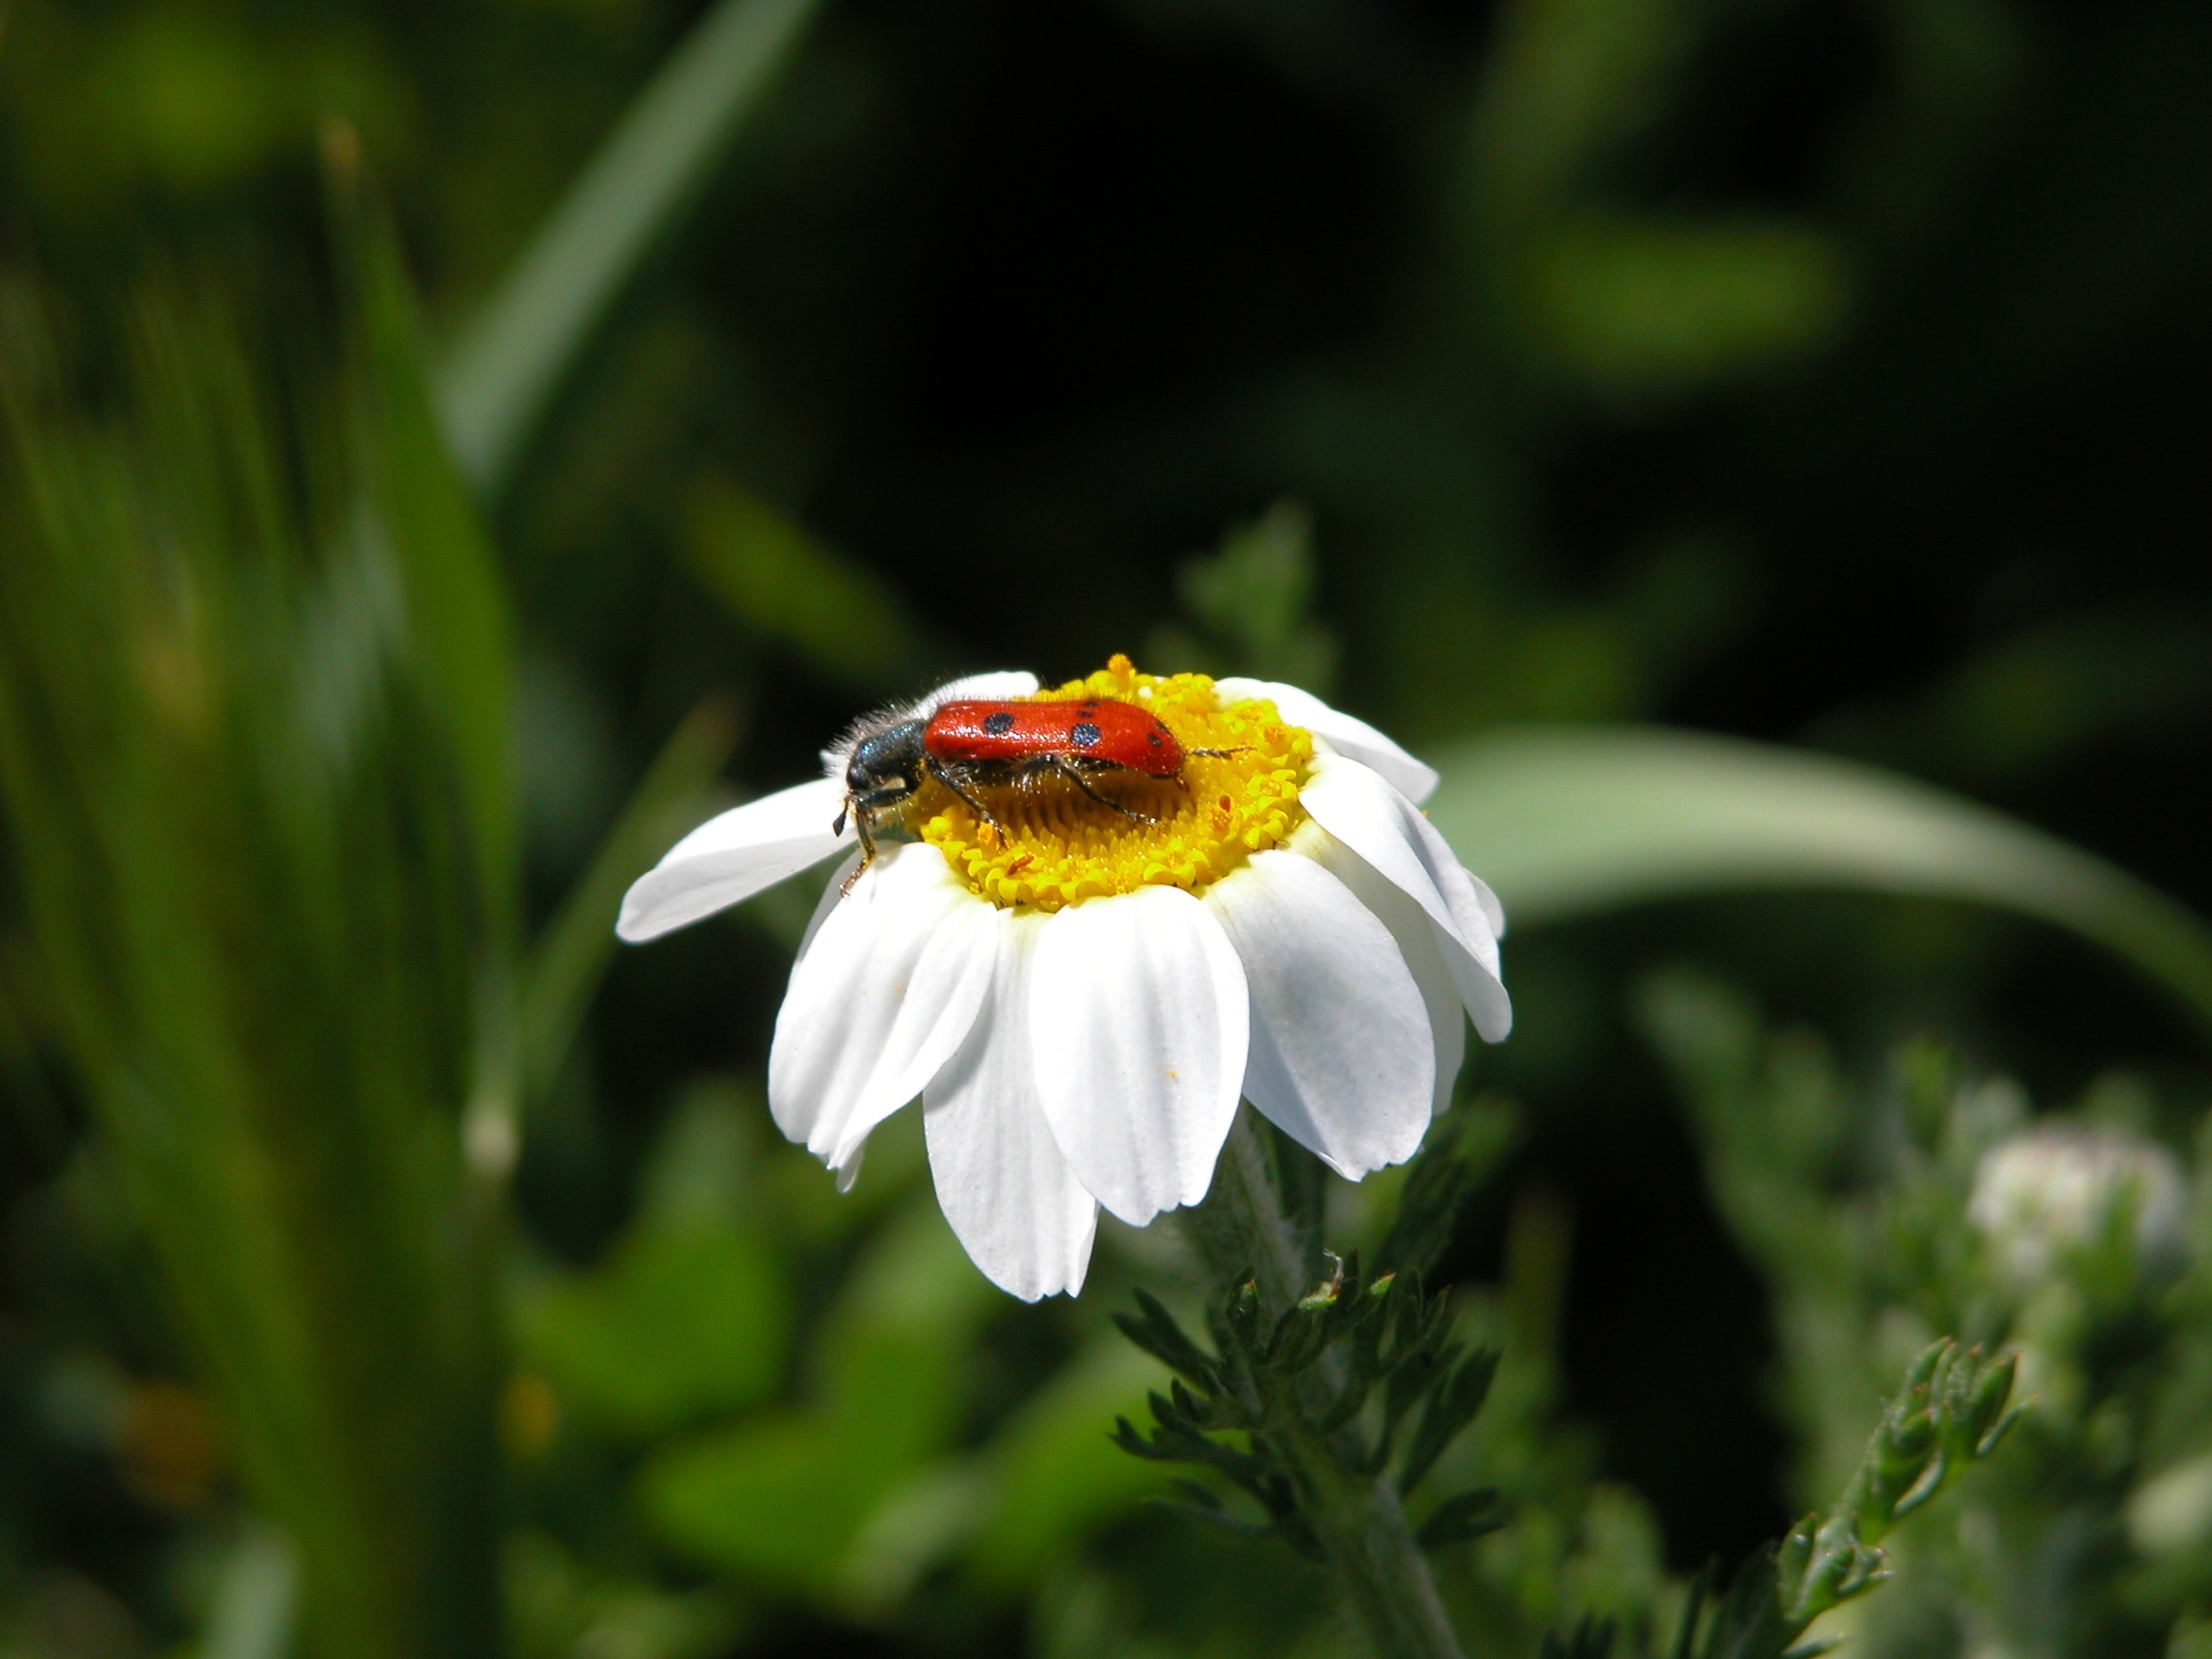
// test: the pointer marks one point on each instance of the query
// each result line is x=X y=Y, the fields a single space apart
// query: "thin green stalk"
x=1355 y=1514
x=569 y=959
x=505 y=369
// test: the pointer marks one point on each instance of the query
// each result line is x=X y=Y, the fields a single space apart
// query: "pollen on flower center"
x=1060 y=847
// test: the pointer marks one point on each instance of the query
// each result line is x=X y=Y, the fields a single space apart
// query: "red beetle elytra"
x=976 y=744
x=1102 y=734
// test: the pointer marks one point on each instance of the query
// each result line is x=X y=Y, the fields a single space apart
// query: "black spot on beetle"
x=1153 y=738
x=1000 y=724
x=1083 y=735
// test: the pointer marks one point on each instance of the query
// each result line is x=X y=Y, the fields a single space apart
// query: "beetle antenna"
x=1220 y=754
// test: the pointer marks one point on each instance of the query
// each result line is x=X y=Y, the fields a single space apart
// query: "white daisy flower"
x=1080 y=967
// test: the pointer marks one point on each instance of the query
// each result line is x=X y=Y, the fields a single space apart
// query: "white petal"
x=1341 y=1057
x=996 y=683
x=850 y=1171
x=1361 y=810
x=1344 y=733
x=1488 y=902
x=1416 y=939
x=733 y=856
x=1139 y=1021
x=1003 y=1185
x=831 y=895
x=885 y=994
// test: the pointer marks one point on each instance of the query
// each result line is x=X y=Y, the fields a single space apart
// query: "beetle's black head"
x=886 y=759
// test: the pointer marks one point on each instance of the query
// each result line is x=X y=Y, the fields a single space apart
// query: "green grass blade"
x=565 y=968
x=245 y=816
x=457 y=610
x=1573 y=822
x=252 y=1614
x=786 y=587
x=506 y=368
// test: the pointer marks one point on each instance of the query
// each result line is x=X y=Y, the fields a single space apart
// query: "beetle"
x=975 y=744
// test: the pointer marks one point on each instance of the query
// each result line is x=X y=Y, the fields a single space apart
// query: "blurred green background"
x=1824 y=371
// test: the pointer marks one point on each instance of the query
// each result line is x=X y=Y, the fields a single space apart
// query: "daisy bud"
x=2045 y=1198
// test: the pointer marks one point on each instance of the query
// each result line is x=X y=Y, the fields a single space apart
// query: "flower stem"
x=1354 y=1513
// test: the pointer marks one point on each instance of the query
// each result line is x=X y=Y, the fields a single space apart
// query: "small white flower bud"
x=2051 y=1190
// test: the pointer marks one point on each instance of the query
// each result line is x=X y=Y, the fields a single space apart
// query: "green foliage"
x=1928 y=1197
x=252 y=757
x=1625 y=369
x=1950 y=1414
x=570 y=957
x=454 y=604
x=681 y=1321
x=253 y=1611
x=1250 y=606
x=781 y=1498
x=1392 y=1347
x=1053 y=1478
x=560 y=1606
x=1362 y=1378
x=510 y=365
x=790 y=590
x=1645 y=311
x=1571 y=823
x=1315 y=1382
x=1628 y=301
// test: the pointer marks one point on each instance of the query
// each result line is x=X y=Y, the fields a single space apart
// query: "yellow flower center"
x=1054 y=846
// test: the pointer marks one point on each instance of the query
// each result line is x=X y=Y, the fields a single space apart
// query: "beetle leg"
x=867 y=851
x=862 y=809
x=865 y=806
x=1068 y=770
x=1219 y=754
x=945 y=775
